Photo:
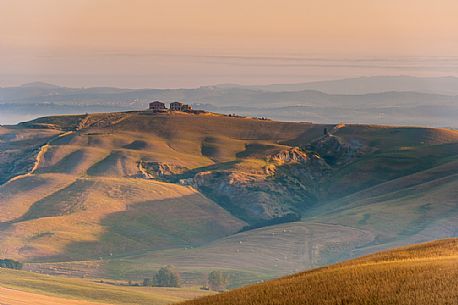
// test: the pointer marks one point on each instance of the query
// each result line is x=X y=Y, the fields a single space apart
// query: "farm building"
x=157 y=106
x=177 y=106
x=186 y=108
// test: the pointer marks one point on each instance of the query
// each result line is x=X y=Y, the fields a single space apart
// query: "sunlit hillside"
x=119 y=195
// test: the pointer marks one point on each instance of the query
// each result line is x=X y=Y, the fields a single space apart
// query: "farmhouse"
x=177 y=106
x=157 y=106
x=186 y=108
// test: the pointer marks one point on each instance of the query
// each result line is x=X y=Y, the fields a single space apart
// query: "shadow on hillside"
x=156 y=225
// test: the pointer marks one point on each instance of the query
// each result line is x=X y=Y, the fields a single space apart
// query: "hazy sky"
x=185 y=43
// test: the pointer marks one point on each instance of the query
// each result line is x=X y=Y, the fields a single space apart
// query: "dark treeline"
x=10 y=264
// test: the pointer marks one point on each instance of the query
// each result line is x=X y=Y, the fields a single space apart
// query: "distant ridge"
x=371 y=84
x=41 y=85
x=447 y=85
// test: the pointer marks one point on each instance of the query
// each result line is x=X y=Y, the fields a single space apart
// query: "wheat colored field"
x=16 y=297
x=418 y=275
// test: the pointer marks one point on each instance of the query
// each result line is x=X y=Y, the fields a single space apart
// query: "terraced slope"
x=419 y=274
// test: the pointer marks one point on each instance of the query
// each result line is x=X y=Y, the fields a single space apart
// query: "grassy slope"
x=402 y=154
x=414 y=208
x=95 y=217
x=420 y=274
x=16 y=297
x=79 y=289
x=84 y=201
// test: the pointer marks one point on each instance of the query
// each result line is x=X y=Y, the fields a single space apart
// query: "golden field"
x=418 y=275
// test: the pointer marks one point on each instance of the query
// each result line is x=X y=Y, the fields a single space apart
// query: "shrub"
x=167 y=277
x=217 y=280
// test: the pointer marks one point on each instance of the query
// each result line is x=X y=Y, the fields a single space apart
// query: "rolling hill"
x=419 y=274
x=119 y=195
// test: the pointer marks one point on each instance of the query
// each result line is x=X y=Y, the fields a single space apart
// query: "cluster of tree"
x=169 y=277
x=166 y=277
x=218 y=280
x=11 y=264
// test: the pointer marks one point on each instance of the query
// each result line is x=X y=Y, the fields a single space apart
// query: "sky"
x=189 y=43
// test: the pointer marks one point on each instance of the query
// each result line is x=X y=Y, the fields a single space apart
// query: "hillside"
x=121 y=194
x=419 y=274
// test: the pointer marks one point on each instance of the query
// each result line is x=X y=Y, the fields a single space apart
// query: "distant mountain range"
x=363 y=85
x=397 y=100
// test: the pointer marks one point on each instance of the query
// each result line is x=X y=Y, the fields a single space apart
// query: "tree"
x=167 y=277
x=217 y=280
x=147 y=282
x=11 y=264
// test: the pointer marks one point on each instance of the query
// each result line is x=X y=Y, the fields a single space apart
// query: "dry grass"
x=16 y=297
x=95 y=217
x=418 y=275
x=84 y=201
x=26 y=287
x=259 y=254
